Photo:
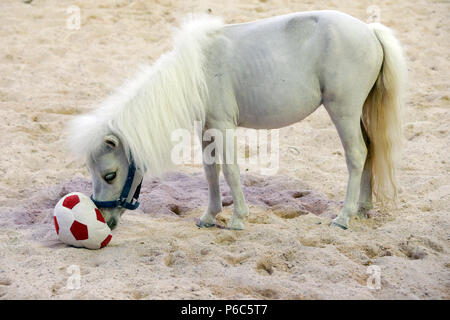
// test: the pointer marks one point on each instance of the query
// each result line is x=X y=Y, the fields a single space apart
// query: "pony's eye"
x=110 y=177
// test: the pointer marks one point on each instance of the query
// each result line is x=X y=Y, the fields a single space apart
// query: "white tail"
x=382 y=116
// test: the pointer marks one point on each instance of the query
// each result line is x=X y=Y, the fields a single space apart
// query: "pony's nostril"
x=112 y=223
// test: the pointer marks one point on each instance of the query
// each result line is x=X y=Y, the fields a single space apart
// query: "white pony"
x=264 y=74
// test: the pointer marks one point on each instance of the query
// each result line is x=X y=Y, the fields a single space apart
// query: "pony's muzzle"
x=112 y=216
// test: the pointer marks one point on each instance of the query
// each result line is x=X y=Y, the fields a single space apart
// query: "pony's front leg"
x=223 y=145
x=212 y=172
x=231 y=173
x=232 y=176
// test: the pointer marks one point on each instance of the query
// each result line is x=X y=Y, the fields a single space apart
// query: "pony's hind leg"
x=365 y=193
x=346 y=117
x=212 y=172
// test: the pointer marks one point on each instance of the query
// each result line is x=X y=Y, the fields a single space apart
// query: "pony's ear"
x=112 y=141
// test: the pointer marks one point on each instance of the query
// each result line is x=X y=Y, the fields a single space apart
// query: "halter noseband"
x=123 y=198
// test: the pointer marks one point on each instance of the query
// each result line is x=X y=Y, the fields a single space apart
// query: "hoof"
x=335 y=224
x=202 y=224
x=342 y=221
x=235 y=225
x=207 y=220
x=363 y=210
x=234 y=228
x=363 y=215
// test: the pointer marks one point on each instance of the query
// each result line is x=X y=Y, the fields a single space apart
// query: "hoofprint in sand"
x=158 y=255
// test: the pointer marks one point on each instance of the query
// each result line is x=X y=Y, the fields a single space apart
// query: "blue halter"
x=122 y=201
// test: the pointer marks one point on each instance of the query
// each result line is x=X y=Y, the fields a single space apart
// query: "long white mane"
x=168 y=95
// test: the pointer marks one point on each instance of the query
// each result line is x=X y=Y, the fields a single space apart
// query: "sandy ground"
x=49 y=73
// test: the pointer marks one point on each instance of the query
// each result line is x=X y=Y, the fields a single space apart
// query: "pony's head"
x=116 y=184
x=108 y=166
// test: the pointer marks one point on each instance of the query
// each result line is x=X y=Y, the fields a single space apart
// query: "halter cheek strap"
x=124 y=201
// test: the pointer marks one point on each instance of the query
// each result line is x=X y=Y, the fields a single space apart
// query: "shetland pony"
x=264 y=74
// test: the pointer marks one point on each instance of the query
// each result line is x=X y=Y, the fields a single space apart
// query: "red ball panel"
x=79 y=230
x=56 y=225
x=71 y=201
x=99 y=215
x=106 y=241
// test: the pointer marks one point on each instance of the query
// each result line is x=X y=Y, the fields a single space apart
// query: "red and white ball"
x=79 y=223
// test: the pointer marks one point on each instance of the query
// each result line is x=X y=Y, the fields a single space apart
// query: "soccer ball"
x=79 y=223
